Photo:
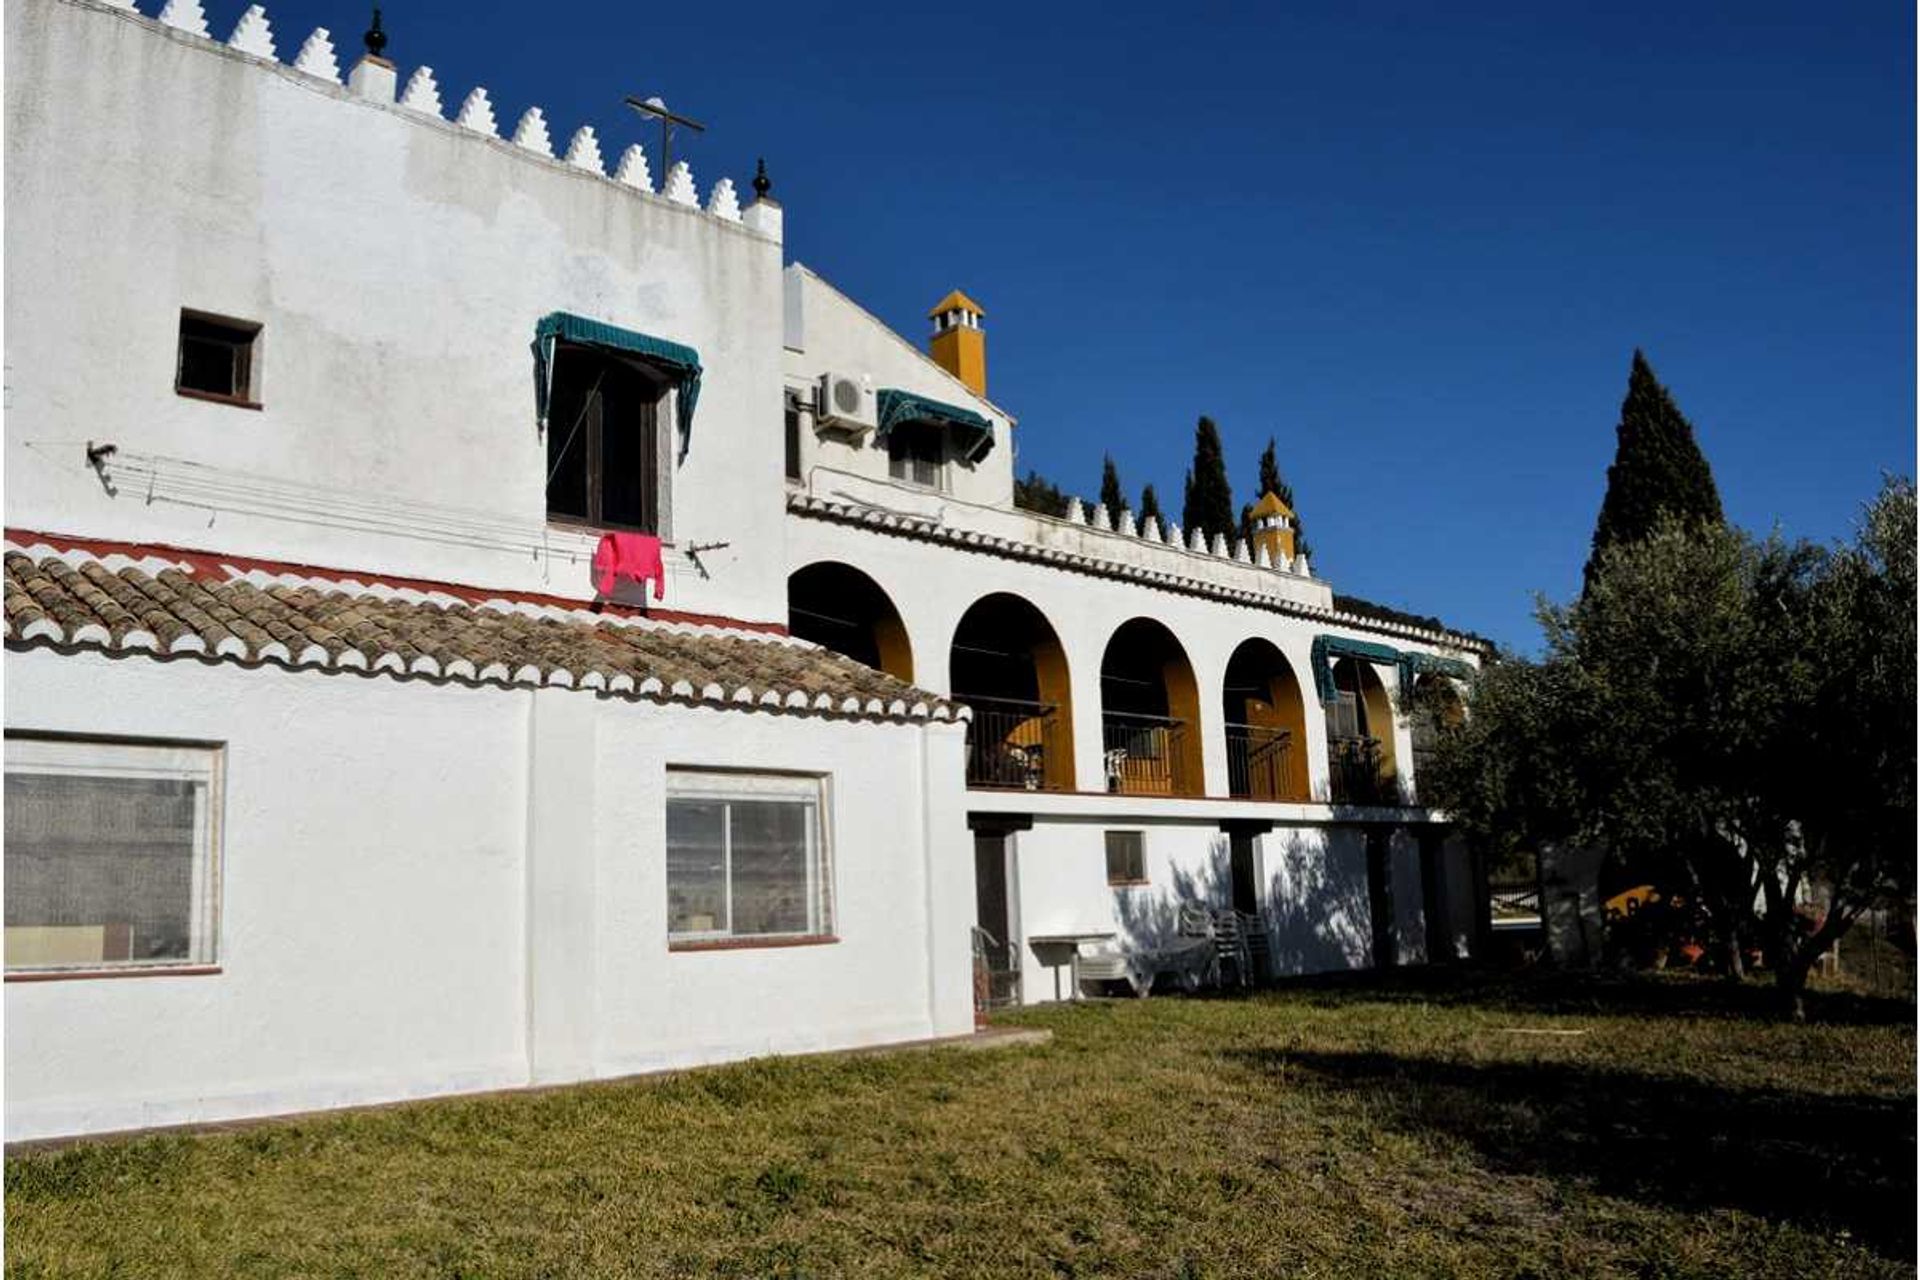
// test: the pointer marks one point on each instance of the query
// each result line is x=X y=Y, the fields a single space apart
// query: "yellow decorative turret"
x=1273 y=526
x=958 y=344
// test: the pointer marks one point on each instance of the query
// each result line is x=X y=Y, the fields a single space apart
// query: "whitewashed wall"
x=398 y=262
x=1312 y=882
x=430 y=889
x=1320 y=917
x=826 y=331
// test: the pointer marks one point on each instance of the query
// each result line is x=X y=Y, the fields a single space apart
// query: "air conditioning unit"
x=845 y=404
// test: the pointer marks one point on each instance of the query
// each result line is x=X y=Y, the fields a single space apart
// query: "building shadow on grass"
x=1597 y=992
x=1829 y=1163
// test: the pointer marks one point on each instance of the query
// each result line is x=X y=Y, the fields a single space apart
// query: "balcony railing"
x=1009 y=743
x=1262 y=764
x=1145 y=755
x=1354 y=765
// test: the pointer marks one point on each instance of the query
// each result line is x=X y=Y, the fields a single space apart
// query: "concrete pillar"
x=373 y=78
x=1089 y=749
x=1402 y=729
x=1410 y=918
x=765 y=216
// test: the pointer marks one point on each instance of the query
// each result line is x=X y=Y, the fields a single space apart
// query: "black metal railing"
x=1353 y=765
x=1262 y=764
x=996 y=973
x=1145 y=755
x=1010 y=743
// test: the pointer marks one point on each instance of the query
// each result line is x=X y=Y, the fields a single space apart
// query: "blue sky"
x=1416 y=244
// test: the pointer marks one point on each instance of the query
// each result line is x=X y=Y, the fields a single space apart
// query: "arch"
x=1266 y=724
x=1435 y=705
x=1149 y=713
x=1007 y=663
x=1360 y=750
x=838 y=607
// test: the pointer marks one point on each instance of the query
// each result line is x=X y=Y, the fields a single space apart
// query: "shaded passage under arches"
x=1009 y=667
x=1435 y=707
x=840 y=608
x=1266 y=725
x=1149 y=713
x=1360 y=751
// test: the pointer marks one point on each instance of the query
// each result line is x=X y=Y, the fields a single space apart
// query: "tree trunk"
x=1791 y=978
x=1736 y=960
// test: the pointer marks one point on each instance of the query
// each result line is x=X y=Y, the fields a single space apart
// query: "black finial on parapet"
x=761 y=182
x=376 y=38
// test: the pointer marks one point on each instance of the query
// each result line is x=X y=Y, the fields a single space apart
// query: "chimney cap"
x=1270 y=504
x=956 y=301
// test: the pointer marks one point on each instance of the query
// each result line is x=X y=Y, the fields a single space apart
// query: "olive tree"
x=1733 y=716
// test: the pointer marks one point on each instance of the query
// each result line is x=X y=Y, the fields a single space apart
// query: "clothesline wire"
x=184 y=472
x=202 y=486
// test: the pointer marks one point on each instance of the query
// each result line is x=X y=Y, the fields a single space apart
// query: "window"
x=793 y=439
x=916 y=452
x=1348 y=712
x=1126 y=857
x=606 y=452
x=112 y=854
x=216 y=358
x=745 y=858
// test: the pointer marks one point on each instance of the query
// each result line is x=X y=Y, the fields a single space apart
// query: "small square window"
x=1126 y=857
x=746 y=858
x=112 y=854
x=217 y=358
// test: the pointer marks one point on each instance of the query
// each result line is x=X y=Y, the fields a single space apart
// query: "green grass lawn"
x=1400 y=1128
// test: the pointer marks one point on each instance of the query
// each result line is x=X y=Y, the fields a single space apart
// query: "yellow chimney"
x=958 y=344
x=1273 y=528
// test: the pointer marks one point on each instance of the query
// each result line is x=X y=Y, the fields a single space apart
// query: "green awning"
x=972 y=434
x=1427 y=664
x=1408 y=664
x=681 y=362
x=1328 y=648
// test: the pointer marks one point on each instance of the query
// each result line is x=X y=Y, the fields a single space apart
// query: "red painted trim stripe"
x=753 y=944
x=214 y=565
x=151 y=971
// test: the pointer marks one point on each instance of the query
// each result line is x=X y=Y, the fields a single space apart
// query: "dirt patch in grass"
x=1330 y=1129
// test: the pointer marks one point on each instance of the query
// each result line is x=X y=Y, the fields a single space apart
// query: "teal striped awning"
x=679 y=361
x=972 y=433
x=1327 y=649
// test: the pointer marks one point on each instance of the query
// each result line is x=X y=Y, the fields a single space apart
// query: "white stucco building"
x=332 y=776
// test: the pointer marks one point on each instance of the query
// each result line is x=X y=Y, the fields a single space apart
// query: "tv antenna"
x=669 y=122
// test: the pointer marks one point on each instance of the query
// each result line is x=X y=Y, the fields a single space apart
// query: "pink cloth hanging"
x=629 y=555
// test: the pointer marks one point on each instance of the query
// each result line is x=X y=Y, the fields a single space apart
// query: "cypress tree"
x=1209 y=498
x=1150 y=506
x=1657 y=469
x=1112 y=496
x=1035 y=492
x=1271 y=481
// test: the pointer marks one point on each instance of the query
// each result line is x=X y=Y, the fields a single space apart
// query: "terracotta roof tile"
x=72 y=601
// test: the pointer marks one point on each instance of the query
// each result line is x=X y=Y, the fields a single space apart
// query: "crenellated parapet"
x=376 y=80
x=1121 y=526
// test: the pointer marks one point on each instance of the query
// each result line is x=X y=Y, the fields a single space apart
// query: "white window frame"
x=145 y=758
x=811 y=790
